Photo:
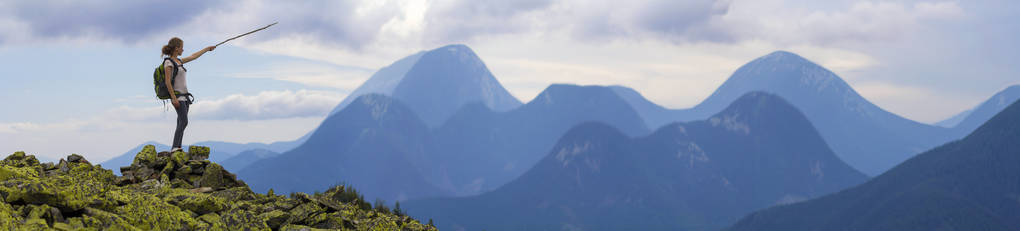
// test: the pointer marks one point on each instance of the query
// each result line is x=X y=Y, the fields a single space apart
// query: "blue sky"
x=76 y=73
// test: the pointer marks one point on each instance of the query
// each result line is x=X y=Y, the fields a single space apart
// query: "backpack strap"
x=173 y=77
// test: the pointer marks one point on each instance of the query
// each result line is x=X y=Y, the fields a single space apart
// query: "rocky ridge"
x=170 y=191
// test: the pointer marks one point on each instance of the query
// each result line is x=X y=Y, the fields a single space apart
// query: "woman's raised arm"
x=197 y=54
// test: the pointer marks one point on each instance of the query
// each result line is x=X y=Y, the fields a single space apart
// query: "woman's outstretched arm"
x=197 y=54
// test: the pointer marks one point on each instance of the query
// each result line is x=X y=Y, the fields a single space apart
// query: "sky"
x=76 y=74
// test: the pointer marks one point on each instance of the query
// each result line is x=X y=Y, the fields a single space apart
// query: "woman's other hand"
x=176 y=103
x=210 y=48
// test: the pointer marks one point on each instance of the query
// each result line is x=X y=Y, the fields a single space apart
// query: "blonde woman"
x=178 y=88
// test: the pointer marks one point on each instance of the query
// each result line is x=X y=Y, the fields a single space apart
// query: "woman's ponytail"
x=172 y=45
x=167 y=50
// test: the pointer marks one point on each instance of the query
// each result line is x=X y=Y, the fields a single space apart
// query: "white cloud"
x=262 y=106
x=310 y=74
x=265 y=117
x=267 y=105
x=861 y=22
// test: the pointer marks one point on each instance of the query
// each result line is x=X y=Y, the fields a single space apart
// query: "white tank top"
x=181 y=82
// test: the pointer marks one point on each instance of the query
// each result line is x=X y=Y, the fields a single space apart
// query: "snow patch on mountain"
x=731 y=123
x=566 y=154
x=693 y=153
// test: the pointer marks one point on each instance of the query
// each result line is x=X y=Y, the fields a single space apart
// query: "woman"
x=179 y=95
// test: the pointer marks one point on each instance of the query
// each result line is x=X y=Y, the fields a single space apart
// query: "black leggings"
x=182 y=122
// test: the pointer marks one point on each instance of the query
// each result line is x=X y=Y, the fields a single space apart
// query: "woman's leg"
x=182 y=122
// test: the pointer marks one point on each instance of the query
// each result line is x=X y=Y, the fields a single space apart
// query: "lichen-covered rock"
x=196 y=202
x=168 y=191
x=212 y=177
x=8 y=217
x=181 y=169
x=146 y=156
x=198 y=152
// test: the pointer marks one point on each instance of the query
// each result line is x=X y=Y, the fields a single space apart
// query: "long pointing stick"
x=256 y=30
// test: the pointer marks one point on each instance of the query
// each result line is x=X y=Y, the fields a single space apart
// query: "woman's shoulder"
x=171 y=61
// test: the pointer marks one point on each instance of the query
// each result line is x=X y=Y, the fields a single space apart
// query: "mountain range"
x=867 y=137
x=477 y=150
x=701 y=175
x=969 y=184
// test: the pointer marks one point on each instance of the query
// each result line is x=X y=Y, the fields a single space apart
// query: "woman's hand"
x=210 y=48
x=176 y=103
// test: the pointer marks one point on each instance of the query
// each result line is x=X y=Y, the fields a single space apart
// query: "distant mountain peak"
x=790 y=66
x=459 y=52
x=866 y=136
x=755 y=102
x=752 y=105
x=446 y=78
x=383 y=81
x=781 y=55
x=456 y=49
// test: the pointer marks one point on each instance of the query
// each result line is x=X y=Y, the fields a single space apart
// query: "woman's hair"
x=172 y=45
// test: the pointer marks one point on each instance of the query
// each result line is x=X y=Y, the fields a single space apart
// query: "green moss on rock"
x=168 y=191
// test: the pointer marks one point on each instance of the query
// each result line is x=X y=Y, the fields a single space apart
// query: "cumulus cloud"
x=348 y=24
x=680 y=21
x=461 y=20
x=126 y=21
x=264 y=117
x=860 y=22
x=355 y=25
x=267 y=105
x=310 y=74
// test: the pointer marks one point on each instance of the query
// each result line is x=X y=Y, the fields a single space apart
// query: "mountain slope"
x=479 y=149
x=243 y=159
x=969 y=184
x=376 y=144
x=980 y=114
x=445 y=79
x=382 y=82
x=862 y=134
x=685 y=176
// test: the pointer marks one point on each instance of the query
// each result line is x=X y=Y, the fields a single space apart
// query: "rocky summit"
x=171 y=191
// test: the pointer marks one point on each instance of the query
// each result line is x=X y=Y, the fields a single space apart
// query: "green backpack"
x=158 y=78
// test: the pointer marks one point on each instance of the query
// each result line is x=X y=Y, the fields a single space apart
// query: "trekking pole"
x=256 y=30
